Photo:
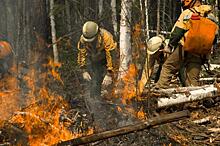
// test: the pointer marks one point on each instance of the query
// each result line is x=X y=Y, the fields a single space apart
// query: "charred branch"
x=127 y=129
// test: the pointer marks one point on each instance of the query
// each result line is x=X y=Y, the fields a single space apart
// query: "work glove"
x=107 y=80
x=86 y=76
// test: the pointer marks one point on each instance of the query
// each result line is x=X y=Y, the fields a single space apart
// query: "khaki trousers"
x=191 y=63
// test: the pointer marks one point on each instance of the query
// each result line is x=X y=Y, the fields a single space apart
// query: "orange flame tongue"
x=129 y=80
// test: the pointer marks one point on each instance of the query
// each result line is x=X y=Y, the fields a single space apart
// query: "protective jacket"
x=182 y=25
x=99 y=52
x=191 y=62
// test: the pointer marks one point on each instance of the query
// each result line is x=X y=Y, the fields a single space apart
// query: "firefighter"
x=155 y=53
x=192 y=62
x=95 y=57
x=7 y=67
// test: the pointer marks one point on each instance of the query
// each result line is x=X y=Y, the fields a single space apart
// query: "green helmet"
x=154 y=44
x=89 y=31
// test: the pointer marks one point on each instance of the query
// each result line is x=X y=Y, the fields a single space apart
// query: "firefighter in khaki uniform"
x=192 y=62
x=155 y=53
x=95 y=57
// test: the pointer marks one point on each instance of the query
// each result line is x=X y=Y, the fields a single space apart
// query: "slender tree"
x=100 y=8
x=146 y=19
x=68 y=17
x=125 y=37
x=114 y=17
x=53 y=32
x=158 y=17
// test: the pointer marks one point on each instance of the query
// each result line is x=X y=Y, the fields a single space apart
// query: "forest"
x=51 y=95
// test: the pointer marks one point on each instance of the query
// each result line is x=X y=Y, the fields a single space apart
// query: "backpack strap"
x=194 y=11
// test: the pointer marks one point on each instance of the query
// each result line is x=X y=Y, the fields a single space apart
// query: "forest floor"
x=85 y=116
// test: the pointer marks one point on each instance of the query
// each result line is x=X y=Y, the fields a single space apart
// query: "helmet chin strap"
x=192 y=3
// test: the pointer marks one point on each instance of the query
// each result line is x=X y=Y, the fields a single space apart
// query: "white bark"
x=53 y=32
x=203 y=120
x=125 y=37
x=194 y=95
x=114 y=17
x=158 y=17
x=181 y=89
x=163 y=12
x=161 y=32
x=141 y=6
x=213 y=66
x=100 y=8
x=211 y=79
x=146 y=20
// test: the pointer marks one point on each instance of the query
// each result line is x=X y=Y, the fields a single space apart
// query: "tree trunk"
x=100 y=8
x=189 y=96
x=114 y=17
x=125 y=37
x=163 y=13
x=68 y=17
x=24 y=25
x=53 y=32
x=146 y=20
x=158 y=17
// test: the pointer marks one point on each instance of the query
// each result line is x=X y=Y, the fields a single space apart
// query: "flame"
x=129 y=80
x=141 y=114
x=9 y=101
x=90 y=131
x=41 y=121
x=53 y=70
x=119 y=108
x=41 y=118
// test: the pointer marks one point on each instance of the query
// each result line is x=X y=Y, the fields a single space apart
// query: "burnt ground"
x=183 y=132
x=79 y=119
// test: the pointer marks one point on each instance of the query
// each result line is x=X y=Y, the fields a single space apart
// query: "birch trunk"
x=158 y=17
x=194 y=95
x=146 y=20
x=114 y=18
x=164 y=11
x=53 y=32
x=100 y=8
x=125 y=37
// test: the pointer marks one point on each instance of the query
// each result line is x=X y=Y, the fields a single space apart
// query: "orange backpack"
x=201 y=35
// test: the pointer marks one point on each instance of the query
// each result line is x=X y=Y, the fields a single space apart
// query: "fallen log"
x=127 y=129
x=198 y=94
x=214 y=66
x=171 y=91
x=203 y=120
x=210 y=79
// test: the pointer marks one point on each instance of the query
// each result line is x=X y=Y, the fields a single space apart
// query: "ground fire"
x=110 y=73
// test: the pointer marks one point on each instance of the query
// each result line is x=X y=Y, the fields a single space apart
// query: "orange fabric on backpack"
x=5 y=49
x=200 y=36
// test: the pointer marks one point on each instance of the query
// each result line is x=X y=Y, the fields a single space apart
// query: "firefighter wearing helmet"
x=95 y=56
x=155 y=53
x=180 y=58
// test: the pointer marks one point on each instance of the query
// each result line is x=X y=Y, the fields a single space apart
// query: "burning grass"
x=40 y=119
